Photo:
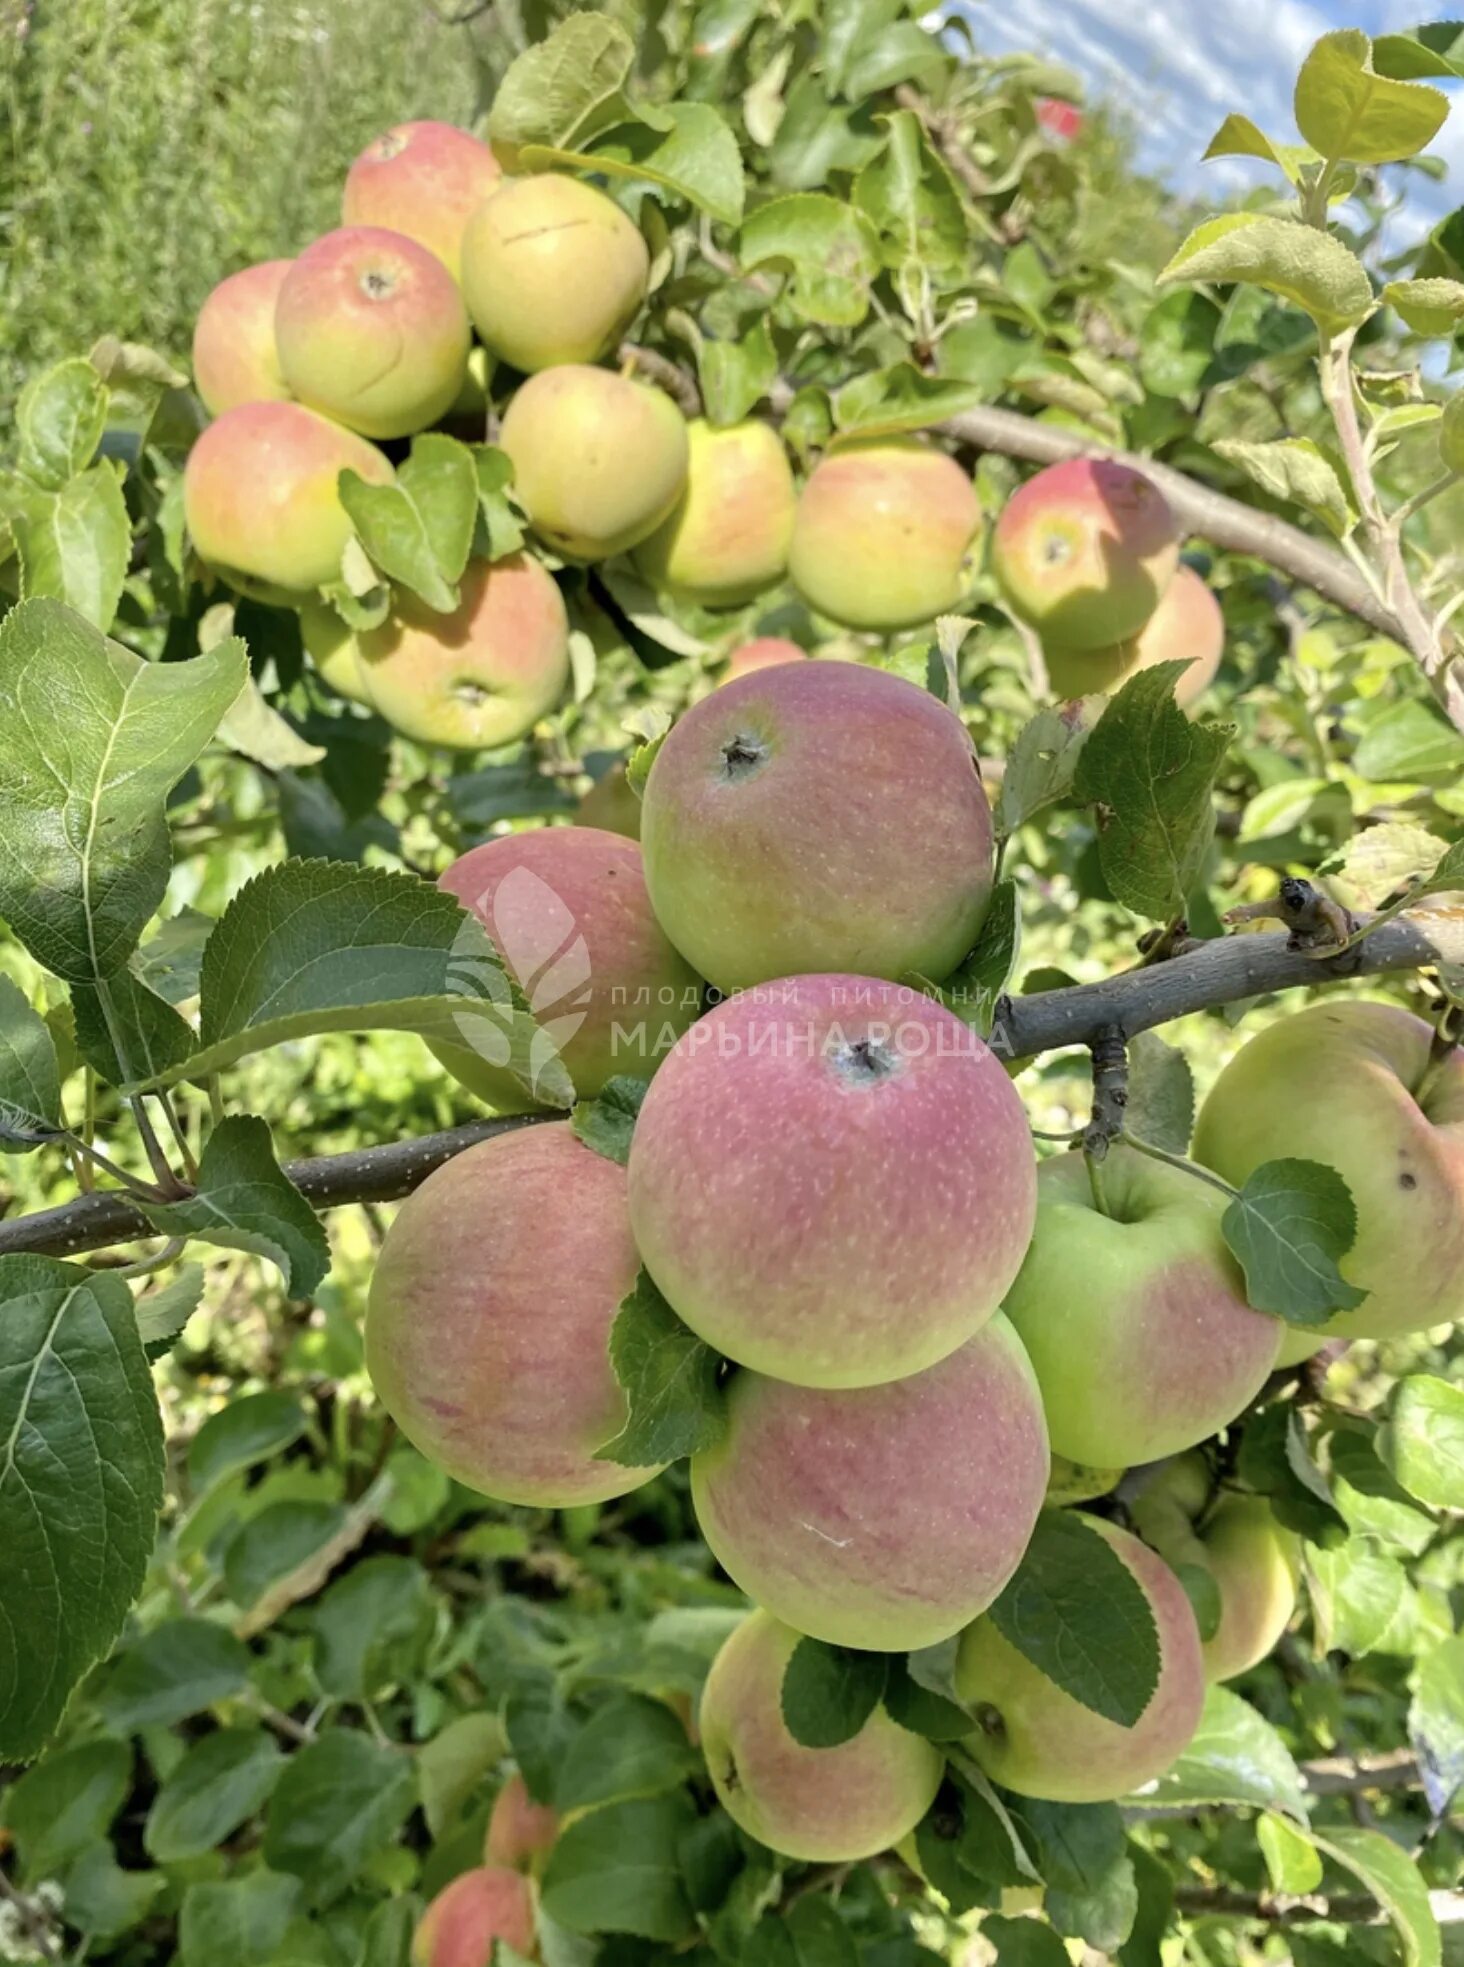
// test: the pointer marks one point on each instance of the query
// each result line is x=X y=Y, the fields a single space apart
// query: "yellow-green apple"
x=371 y=330
x=613 y=804
x=818 y=816
x=1350 y=1085
x=423 y=179
x=884 y=1517
x=1084 y=551
x=481 y=676
x=821 y=1805
x=567 y=909
x=727 y=538
x=1033 y=1738
x=234 y=356
x=553 y=272
x=832 y=1180
x=260 y=497
x=1136 y=1321
x=489 y=1315
x=1186 y=624
x=334 y=651
x=763 y=652
x=521 y=1832
x=885 y=534
x=598 y=460
x=463 y=1924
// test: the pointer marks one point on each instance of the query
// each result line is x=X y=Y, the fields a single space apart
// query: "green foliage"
x=1289 y=1227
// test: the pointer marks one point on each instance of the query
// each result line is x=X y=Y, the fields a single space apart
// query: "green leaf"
x=1041 y=764
x=736 y=375
x=316 y=946
x=66 y=1803
x=830 y=249
x=696 y=158
x=240 y=1920
x=909 y=196
x=565 y=85
x=59 y=417
x=254 y=729
x=222 y=1782
x=1233 y=1757
x=1436 y=1723
x=371 y=1628
x=1177 y=343
x=500 y=530
x=1023 y=1942
x=163 y=1312
x=1150 y=771
x=1077 y=1612
x=631 y=1747
x=243 y=1200
x=81 y=1483
x=607 y=1122
x=1299 y=262
x=250 y=1429
x=1408 y=741
x=973 y=990
x=451 y=1766
x=1372 y=1500
x=1289 y=1228
x=1447 y=874
x=74 y=545
x=617 y=1870
x=30 y=1079
x=92 y=739
x=1428 y=307
x=299 y=1534
x=1276 y=1461
x=1292 y=1860
x=670 y=1381
x=968 y=1845
x=102 y=1899
x=1423 y=1440
x=1394 y=1880
x=419 y=528
x=894 y=401
x=1161 y=1094
x=339 y=1801
x=1359 y=1598
x=1346 y=110
x=1434 y=49
x=1238 y=136
x=922 y=1709
x=829 y=1692
x=178 y=1669
x=126 y=1032
x=1081 y=1851
x=1382 y=860
x=1297 y=470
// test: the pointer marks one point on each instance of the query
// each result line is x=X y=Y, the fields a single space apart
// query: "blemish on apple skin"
x=445 y=1410
x=839 y=1543
x=1408 y=1181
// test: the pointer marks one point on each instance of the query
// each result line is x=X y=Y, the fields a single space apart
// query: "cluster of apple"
x=494 y=1901
x=367 y=338
x=831 y=1181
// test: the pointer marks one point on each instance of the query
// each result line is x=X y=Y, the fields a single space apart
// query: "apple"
x=260 y=497
x=567 y=909
x=885 y=534
x=727 y=538
x=463 y=1923
x=818 y=816
x=1136 y=1322
x=521 y=1832
x=371 y=330
x=832 y=1181
x=881 y=1517
x=1344 y=1084
x=763 y=652
x=1084 y=551
x=234 y=355
x=479 y=677
x=1186 y=623
x=489 y=1315
x=553 y=272
x=423 y=179
x=1033 y=1738
x=598 y=460
x=334 y=651
x=612 y=804
x=820 y=1805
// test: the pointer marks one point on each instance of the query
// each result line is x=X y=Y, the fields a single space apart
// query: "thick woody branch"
x=1218 y=972
x=1280 y=1909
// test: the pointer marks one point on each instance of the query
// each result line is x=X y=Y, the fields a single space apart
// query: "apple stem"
x=1181 y=1162
x=1445 y=1040
x=1095 y=1182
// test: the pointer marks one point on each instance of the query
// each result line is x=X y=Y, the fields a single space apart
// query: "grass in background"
x=149 y=147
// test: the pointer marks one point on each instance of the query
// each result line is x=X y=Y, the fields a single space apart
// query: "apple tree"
x=729 y=1041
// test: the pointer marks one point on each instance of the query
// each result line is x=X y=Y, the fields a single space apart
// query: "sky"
x=1181 y=66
